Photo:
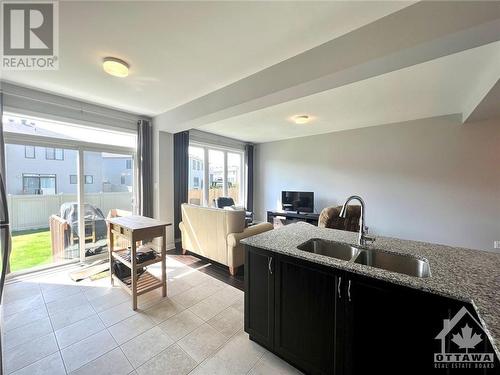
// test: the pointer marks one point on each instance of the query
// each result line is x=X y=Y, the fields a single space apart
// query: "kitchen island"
x=327 y=315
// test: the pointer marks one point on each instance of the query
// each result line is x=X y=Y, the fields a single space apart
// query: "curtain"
x=181 y=165
x=249 y=179
x=145 y=167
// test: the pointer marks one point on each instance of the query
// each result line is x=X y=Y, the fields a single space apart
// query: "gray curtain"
x=145 y=167
x=249 y=170
x=181 y=165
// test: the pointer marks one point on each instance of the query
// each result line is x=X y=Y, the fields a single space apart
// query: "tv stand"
x=289 y=217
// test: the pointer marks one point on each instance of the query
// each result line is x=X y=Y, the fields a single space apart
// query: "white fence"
x=33 y=211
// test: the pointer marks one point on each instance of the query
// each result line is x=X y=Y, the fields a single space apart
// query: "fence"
x=195 y=196
x=33 y=211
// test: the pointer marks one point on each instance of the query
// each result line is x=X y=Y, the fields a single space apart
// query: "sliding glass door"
x=108 y=185
x=63 y=181
x=39 y=190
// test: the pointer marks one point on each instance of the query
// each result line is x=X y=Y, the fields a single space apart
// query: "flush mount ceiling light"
x=301 y=119
x=115 y=67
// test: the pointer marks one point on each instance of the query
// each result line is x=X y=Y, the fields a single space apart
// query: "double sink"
x=407 y=265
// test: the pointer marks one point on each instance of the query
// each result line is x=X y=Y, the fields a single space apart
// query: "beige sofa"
x=215 y=234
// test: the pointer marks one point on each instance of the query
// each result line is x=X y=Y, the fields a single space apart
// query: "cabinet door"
x=305 y=315
x=391 y=329
x=259 y=295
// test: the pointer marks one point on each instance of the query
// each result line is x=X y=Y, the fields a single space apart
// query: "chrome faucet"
x=363 y=239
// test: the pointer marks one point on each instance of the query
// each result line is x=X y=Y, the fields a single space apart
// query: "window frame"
x=26 y=154
x=231 y=150
x=85 y=179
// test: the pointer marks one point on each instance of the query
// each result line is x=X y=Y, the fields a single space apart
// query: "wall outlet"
x=496 y=244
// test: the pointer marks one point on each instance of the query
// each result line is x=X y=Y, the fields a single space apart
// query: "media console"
x=291 y=217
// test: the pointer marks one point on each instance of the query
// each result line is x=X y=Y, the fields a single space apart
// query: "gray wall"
x=432 y=180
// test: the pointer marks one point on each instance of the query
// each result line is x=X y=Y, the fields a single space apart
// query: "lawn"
x=29 y=249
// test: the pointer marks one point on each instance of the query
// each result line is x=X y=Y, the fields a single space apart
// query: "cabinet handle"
x=349 y=291
x=338 y=287
x=270 y=265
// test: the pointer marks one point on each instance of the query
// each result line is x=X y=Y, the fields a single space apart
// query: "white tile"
x=28 y=303
x=143 y=347
x=210 y=307
x=25 y=354
x=117 y=313
x=20 y=290
x=172 y=361
x=62 y=292
x=163 y=310
x=130 y=327
x=181 y=324
x=177 y=286
x=113 y=297
x=50 y=365
x=228 y=322
x=202 y=342
x=26 y=333
x=66 y=303
x=237 y=356
x=78 y=331
x=270 y=364
x=196 y=294
x=86 y=350
x=66 y=317
x=111 y=363
x=21 y=319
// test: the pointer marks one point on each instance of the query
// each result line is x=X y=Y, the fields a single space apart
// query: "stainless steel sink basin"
x=329 y=248
x=407 y=265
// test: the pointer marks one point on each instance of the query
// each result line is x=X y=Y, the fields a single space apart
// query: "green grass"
x=29 y=249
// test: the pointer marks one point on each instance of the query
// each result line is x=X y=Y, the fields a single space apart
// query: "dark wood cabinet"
x=391 y=329
x=305 y=307
x=259 y=296
x=326 y=321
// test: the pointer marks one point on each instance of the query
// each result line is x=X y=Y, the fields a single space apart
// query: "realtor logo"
x=30 y=35
x=461 y=339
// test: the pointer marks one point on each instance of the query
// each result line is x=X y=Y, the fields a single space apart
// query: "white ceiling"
x=179 y=51
x=434 y=88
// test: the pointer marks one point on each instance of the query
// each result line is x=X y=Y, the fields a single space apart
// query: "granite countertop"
x=467 y=275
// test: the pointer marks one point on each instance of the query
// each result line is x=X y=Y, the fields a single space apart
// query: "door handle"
x=338 y=287
x=270 y=265
x=349 y=291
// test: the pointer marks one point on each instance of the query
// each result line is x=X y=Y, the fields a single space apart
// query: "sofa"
x=330 y=218
x=215 y=234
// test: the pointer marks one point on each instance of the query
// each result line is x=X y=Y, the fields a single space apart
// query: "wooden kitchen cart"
x=132 y=231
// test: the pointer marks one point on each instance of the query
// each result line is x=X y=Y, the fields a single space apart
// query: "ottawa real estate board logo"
x=30 y=35
x=463 y=343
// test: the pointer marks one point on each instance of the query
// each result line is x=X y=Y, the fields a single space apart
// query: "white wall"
x=163 y=176
x=433 y=180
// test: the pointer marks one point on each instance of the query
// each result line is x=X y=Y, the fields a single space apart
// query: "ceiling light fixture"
x=301 y=119
x=115 y=67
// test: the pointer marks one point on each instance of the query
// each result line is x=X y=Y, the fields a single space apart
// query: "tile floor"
x=54 y=326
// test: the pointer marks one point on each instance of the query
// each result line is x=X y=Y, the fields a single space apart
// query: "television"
x=298 y=201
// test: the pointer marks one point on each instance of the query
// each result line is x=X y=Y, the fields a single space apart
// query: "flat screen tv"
x=299 y=201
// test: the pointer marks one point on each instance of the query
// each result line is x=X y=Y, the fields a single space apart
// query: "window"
x=128 y=164
x=234 y=166
x=196 y=175
x=73 y=180
x=223 y=171
x=29 y=152
x=54 y=153
x=122 y=180
x=215 y=175
x=89 y=179
x=39 y=184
